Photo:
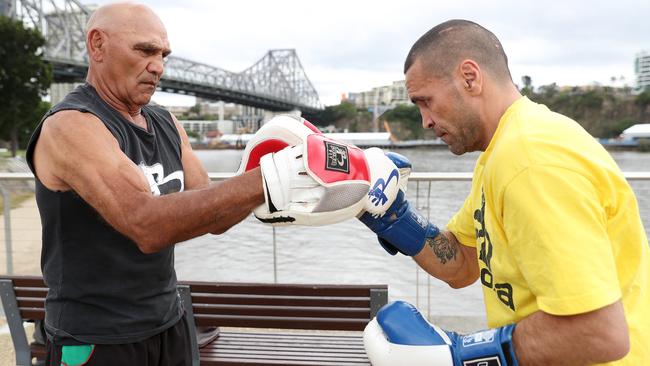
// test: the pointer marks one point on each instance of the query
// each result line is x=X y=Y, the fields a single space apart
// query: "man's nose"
x=427 y=121
x=156 y=66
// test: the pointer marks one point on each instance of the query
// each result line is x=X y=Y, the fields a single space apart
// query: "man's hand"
x=400 y=228
x=400 y=335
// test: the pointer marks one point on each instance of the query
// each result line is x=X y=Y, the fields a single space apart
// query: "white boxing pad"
x=320 y=182
x=281 y=131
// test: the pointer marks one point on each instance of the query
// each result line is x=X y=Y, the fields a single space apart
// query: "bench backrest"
x=285 y=306
x=255 y=305
x=29 y=293
x=252 y=305
x=23 y=298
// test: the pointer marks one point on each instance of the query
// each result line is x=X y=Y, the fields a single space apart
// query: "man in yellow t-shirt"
x=551 y=228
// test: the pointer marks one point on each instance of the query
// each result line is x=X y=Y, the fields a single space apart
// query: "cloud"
x=354 y=45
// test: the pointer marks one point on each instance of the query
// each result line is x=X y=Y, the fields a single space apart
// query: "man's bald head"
x=123 y=17
x=443 y=47
x=127 y=46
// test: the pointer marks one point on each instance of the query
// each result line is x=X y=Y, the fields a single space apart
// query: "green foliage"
x=408 y=116
x=528 y=85
x=191 y=133
x=615 y=129
x=602 y=111
x=335 y=113
x=643 y=99
x=24 y=79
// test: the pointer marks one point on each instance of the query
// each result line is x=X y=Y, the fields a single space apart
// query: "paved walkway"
x=26 y=258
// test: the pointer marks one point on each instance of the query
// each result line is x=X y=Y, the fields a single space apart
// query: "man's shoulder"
x=68 y=118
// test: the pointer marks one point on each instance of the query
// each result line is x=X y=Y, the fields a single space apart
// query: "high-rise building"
x=642 y=71
x=387 y=95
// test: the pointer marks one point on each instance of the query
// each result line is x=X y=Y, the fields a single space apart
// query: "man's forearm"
x=169 y=219
x=596 y=337
x=446 y=259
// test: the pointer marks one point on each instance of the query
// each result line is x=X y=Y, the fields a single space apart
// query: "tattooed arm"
x=445 y=258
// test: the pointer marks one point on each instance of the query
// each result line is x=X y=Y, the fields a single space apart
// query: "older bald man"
x=106 y=163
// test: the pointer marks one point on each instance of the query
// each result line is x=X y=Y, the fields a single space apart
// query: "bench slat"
x=283 y=301
x=281 y=289
x=243 y=348
x=31 y=302
x=39 y=292
x=280 y=322
x=26 y=281
x=302 y=311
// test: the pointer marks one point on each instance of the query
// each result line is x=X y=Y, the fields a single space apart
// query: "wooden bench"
x=268 y=324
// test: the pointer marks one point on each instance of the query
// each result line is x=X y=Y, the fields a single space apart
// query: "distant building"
x=642 y=71
x=58 y=91
x=200 y=127
x=387 y=95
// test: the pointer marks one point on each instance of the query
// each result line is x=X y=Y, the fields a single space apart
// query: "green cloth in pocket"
x=76 y=355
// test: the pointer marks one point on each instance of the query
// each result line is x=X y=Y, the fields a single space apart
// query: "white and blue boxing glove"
x=400 y=228
x=399 y=335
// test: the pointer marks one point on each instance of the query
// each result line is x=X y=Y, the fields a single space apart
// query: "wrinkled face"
x=134 y=60
x=445 y=109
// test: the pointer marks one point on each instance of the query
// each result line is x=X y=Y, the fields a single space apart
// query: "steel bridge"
x=276 y=82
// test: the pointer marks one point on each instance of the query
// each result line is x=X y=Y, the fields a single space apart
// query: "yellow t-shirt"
x=556 y=226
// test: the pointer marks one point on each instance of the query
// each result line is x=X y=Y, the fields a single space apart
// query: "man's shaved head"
x=122 y=17
x=127 y=46
x=444 y=46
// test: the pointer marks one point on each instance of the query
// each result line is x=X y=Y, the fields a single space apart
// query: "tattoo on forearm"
x=443 y=248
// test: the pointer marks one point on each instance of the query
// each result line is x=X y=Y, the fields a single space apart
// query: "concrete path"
x=26 y=257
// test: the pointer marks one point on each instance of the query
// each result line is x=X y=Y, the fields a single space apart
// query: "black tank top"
x=102 y=288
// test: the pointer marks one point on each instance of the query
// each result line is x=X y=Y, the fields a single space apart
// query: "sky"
x=355 y=45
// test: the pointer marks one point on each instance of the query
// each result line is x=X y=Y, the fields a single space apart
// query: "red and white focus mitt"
x=281 y=131
x=284 y=131
x=319 y=182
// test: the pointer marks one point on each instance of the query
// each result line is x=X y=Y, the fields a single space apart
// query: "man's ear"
x=472 y=76
x=95 y=41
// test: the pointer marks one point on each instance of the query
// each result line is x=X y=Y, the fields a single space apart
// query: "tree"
x=409 y=118
x=528 y=85
x=24 y=79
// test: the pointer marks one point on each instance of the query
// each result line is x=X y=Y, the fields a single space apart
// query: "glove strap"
x=409 y=232
x=491 y=347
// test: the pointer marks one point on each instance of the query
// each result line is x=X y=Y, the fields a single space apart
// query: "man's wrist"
x=491 y=347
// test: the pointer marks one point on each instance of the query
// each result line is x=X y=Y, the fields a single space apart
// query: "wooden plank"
x=26 y=281
x=281 y=289
x=32 y=313
x=285 y=348
x=305 y=337
x=39 y=292
x=31 y=302
x=38 y=351
x=218 y=361
x=300 y=311
x=281 y=301
x=280 y=322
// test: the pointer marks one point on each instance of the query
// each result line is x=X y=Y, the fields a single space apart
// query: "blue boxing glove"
x=400 y=335
x=401 y=228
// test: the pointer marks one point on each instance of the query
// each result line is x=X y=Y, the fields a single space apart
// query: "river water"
x=348 y=253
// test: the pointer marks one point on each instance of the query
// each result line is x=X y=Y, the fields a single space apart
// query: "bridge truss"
x=276 y=82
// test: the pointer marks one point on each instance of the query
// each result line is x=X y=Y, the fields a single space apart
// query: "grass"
x=6 y=153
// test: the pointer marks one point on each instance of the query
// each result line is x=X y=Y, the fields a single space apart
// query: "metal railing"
x=420 y=192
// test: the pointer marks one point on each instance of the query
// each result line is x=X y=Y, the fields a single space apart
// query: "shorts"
x=169 y=348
